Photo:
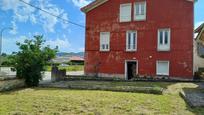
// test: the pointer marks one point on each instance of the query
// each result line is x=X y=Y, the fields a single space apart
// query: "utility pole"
x=1 y=38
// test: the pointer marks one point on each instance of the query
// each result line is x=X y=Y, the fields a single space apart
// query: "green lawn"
x=48 y=101
x=68 y=68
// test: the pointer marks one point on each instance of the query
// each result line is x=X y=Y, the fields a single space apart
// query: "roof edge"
x=198 y=28
x=97 y=3
x=93 y=5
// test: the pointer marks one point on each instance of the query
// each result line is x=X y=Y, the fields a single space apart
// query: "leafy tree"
x=3 y=54
x=31 y=59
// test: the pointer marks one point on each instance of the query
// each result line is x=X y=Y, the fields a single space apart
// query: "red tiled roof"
x=76 y=58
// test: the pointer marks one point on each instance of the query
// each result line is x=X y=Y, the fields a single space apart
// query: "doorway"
x=131 y=69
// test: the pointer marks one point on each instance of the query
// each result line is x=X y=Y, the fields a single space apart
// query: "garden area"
x=54 y=101
x=24 y=95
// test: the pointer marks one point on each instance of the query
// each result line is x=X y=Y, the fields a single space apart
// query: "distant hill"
x=62 y=54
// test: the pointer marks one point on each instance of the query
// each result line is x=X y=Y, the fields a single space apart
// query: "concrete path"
x=47 y=75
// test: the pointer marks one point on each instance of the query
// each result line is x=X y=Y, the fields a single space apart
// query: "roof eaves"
x=197 y=30
x=93 y=5
x=97 y=3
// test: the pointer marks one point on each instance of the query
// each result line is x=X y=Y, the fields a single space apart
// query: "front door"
x=131 y=69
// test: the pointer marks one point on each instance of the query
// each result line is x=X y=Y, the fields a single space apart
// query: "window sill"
x=124 y=21
x=131 y=51
x=163 y=50
x=160 y=74
x=104 y=50
x=141 y=18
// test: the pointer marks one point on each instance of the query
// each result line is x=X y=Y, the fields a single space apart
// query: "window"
x=162 y=67
x=125 y=12
x=131 y=41
x=140 y=11
x=163 y=40
x=104 y=41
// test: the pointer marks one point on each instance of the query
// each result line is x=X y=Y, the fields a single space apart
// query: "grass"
x=50 y=101
x=68 y=68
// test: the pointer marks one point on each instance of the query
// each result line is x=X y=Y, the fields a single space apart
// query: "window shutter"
x=125 y=12
x=162 y=68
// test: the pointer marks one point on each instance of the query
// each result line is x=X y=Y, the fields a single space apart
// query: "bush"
x=31 y=59
x=197 y=75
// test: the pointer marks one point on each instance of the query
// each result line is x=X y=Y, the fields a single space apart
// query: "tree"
x=31 y=59
x=3 y=54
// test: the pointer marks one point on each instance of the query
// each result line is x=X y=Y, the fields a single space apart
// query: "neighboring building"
x=64 y=60
x=76 y=59
x=145 y=37
x=199 y=48
x=61 y=60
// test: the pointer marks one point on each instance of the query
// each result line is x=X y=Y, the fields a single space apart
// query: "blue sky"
x=28 y=21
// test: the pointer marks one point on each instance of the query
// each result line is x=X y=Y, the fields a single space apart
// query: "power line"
x=64 y=20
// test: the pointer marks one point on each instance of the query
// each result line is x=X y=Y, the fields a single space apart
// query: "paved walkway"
x=194 y=97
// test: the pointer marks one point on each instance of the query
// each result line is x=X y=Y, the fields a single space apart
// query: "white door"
x=162 y=67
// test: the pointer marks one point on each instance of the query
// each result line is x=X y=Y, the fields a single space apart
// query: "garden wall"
x=9 y=84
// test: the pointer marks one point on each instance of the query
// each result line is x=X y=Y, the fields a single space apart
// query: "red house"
x=125 y=38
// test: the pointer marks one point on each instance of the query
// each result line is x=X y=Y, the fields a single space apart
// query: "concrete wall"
x=10 y=84
x=198 y=61
x=174 y=14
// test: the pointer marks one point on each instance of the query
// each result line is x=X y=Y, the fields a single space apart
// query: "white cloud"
x=14 y=28
x=63 y=44
x=25 y=13
x=81 y=49
x=9 y=44
x=81 y=3
x=33 y=19
x=48 y=20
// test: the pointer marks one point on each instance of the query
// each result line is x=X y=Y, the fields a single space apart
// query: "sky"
x=27 y=21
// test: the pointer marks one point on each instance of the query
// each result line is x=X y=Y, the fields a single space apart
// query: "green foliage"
x=197 y=75
x=4 y=54
x=67 y=68
x=8 y=61
x=31 y=59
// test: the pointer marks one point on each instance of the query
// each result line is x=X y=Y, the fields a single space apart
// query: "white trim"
x=126 y=46
x=140 y=17
x=120 y=11
x=126 y=61
x=157 y=67
x=168 y=46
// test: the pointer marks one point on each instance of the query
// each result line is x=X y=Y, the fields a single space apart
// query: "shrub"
x=197 y=75
x=31 y=59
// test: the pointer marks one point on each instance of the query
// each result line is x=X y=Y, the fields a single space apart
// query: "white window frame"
x=157 y=63
x=131 y=49
x=140 y=17
x=121 y=15
x=163 y=46
x=101 y=42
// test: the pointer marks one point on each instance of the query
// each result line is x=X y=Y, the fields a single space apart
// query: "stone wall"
x=57 y=75
x=10 y=84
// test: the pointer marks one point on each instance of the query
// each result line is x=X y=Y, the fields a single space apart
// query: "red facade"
x=174 y=14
